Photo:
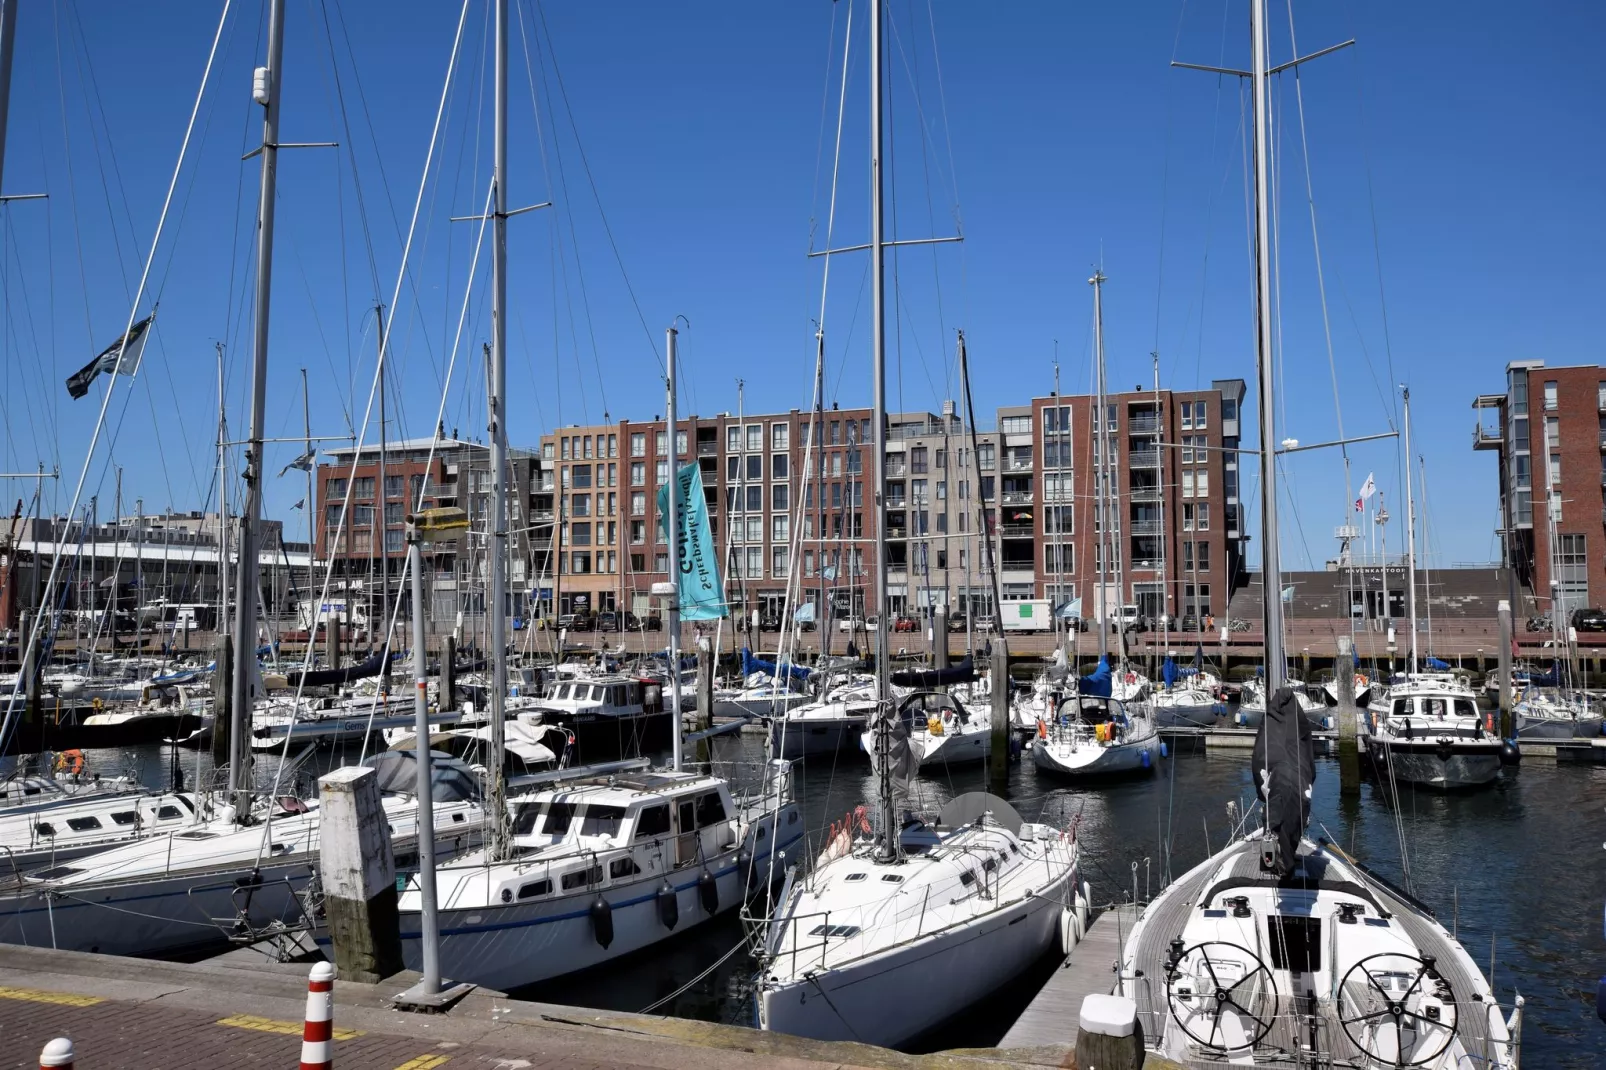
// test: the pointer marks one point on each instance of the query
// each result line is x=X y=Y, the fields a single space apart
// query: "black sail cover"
x=963 y=673
x=1285 y=767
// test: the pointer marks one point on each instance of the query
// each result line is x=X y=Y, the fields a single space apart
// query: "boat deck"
x=1050 y=1019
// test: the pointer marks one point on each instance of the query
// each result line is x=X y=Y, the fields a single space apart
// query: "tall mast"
x=878 y=334
x=383 y=498
x=672 y=523
x=1271 y=565
x=312 y=606
x=1101 y=526
x=814 y=456
x=1054 y=507
x=266 y=92
x=1165 y=557
x=8 y=41
x=496 y=840
x=1410 y=532
x=222 y=501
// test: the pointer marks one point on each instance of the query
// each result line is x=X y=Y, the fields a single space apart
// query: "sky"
x=689 y=151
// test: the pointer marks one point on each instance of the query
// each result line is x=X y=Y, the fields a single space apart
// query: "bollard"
x=998 y=758
x=58 y=1055
x=1348 y=720
x=1109 y=1035
x=448 y=686
x=222 y=698
x=317 y=1033
x=1503 y=611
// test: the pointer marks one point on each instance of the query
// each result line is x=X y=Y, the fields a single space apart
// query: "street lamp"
x=427 y=526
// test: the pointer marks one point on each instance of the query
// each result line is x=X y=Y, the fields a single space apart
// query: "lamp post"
x=427 y=526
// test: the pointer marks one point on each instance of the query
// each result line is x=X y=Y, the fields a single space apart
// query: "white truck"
x=1031 y=615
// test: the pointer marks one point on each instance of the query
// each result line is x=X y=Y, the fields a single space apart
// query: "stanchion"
x=317 y=1035
x=58 y=1055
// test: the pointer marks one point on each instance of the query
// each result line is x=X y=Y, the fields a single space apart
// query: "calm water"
x=1519 y=868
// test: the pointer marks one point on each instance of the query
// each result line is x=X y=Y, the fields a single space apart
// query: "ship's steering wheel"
x=1245 y=995
x=1370 y=1003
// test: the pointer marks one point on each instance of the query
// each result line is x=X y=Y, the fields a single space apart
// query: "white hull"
x=1090 y=759
x=891 y=997
x=1464 y=766
x=1531 y=727
x=772 y=706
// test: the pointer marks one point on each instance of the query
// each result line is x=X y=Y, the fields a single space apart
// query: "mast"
x=312 y=606
x=1059 y=519
x=1101 y=526
x=1165 y=557
x=8 y=42
x=672 y=523
x=1271 y=564
x=815 y=458
x=1410 y=532
x=496 y=839
x=981 y=499
x=266 y=92
x=878 y=333
x=383 y=497
x=222 y=501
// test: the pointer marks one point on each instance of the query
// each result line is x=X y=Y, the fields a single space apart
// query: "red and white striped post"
x=58 y=1055
x=317 y=1034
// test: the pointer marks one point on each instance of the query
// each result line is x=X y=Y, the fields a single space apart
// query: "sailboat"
x=605 y=861
x=1280 y=950
x=899 y=928
x=1104 y=728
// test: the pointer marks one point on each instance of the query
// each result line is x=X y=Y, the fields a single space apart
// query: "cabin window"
x=168 y=813
x=1464 y=707
x=710 y=809
x=967 y=878
x=989 y=865
x=892 y=878
x=602 y=820
x=83 y=824
x=535 y=888
x=524 y=818
x=559 y=816
x=616 y=695
x=581 y=877
x=45 y=828
x=652 y=821
x=56 y=873
x=1402 y=707
x=855 y=876
x=839 y=932
x=622 y=867
x=1296 y=943
x=125 y=817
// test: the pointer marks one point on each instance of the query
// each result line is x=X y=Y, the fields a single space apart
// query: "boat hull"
x=522 y=943
x=606 y=738
x=1184 y=716
x=774 y=706
x=1426 y=764
x=1530 y=727
x=803 y=738
x=1118 y=759
x=889 y=998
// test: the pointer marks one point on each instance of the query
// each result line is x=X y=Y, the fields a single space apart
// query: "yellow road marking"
x=34 y=995
x=273 y=1025
x=424 y=1062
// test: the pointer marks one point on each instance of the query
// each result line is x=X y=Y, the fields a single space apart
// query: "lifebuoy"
x=1042 y=730
x=70 y=761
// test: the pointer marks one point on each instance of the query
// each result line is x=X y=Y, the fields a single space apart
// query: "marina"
x=444 y=708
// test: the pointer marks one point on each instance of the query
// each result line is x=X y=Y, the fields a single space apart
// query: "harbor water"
x=1518 y=870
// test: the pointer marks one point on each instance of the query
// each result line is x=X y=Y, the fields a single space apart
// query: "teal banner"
x=697 y=563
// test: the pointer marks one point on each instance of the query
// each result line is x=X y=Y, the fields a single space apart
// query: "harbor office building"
x=1547 y=430
x=1174 y=526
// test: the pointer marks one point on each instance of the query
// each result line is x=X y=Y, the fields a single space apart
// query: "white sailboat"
x=1277 y=950
x=852 y=948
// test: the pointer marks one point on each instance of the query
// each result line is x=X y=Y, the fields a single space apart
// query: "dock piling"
x=998 y=760
x=359 y=875
x=222 y=698
x=1109 y=1035
x=1349 y=759
x=1507 y=728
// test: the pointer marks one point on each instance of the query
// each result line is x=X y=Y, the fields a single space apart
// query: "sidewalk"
x=135 y=1014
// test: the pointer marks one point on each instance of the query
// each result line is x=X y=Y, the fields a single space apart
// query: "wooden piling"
x=998 y=760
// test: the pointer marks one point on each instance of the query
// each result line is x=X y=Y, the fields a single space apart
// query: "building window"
x=919 y=459
x=1187 y=483
x=985 y=454
x=393 y=541
x=733 y=438
x=778 y=498
x=638 y=532
x=582 y=475
x=780 y=464
x=1015 y=425
x=1203 y=517
x=393 y=513
x=638 y=474
x=660 y=442
x=563 y=451
x=1201 y=483
x=393 y=486
x=755 y=438
x=755 y=466
x=638 y=503
x=660 y=563
x=1550 y=396
x=661 y=476
x=1059 y=558
x=780 y=436
x=580 y=534
x=778 y=561
x=1057 y=419
x=362 y=515
x=1187 y=518
x=363 y=488
x=755 y=499
x=1229 y=409
x=638 y=444
x=779 y=528
x=580 y=562
x=755 y=561
x=808 y=562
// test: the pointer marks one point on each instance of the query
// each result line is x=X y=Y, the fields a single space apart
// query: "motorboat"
x=610 y=717
x=603 y=866
x=880 y=942
x=1432 y=734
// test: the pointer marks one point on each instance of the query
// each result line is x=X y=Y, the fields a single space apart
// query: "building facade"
x=1548 y=432
x=1173 y=524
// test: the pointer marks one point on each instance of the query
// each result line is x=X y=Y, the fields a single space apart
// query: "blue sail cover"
x=1546 y=679
x=751 y=665
x=1169 y=672
x=1436 y=664
x=1097 y=684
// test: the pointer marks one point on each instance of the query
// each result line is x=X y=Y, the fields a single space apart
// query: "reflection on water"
x=1518 y=870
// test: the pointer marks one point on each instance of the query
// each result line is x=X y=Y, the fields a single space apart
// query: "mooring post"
x=359 y=875
x=1507 y=729
x=939 y=638
x=222 y=698
x=998 y=760
x=705 y=694
x=1349 y=758
x=1109 y=1035
x=448 y=686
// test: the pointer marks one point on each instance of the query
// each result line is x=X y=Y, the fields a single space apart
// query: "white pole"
x=1410 y=535
x=672 y=522
x=1271 y=563
x=496 y=841
x=429 y=922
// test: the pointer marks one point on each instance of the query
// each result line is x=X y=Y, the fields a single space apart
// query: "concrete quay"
x=244 y=1011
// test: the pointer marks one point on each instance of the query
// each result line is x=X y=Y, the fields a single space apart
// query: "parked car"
x=956 y=623
x=650 y=623
x=769 y=622
x=851 y=624
x=607 y=622
x=1589 y=620
x=905 y=623
x=986 y=623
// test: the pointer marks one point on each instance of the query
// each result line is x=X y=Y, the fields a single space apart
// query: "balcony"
x=897 y=531
x=896 y=468
x=898 y=502
x=1143 y=423
x=1489 y=438
x=1016 y=497
x=1149 y=492
x=1144 y=459
x=1018 y=464
x=1144 y=527
x=708 y=449
x=1017 y=531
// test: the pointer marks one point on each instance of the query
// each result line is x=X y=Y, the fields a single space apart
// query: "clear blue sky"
x=1057 y=133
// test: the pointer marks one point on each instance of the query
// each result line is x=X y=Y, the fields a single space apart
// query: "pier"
x=1045 y=1033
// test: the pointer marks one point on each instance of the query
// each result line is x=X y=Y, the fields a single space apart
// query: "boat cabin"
x=606 y=696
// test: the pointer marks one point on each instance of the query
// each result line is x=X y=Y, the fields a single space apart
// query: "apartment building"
x=367 y=541
x=1550 y=444
x=1173 y=525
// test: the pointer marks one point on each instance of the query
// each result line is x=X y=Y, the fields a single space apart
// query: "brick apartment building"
x=1176 y=524
x=1548 y=430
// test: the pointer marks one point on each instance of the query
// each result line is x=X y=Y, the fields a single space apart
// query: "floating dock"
x=1049 y=1021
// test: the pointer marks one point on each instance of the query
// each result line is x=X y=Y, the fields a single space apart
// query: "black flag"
x=130 y=347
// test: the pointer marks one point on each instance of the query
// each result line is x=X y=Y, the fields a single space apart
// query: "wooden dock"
x=1050 y=1020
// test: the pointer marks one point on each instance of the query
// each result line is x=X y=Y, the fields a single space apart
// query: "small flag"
x=302 y=504
x=804 y=613
x=302 y=463
x=1368 y=489
x=828 y=572
x=121 y=358
x=1288 y=593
